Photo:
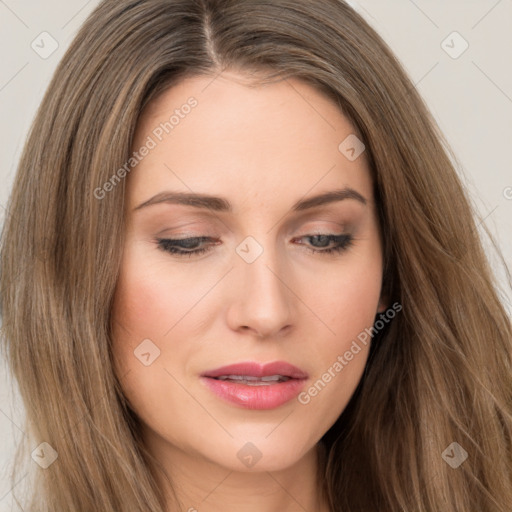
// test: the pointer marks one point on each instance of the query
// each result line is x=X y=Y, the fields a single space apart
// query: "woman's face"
x=286 y=275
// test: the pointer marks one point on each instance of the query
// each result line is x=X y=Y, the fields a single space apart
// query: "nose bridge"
x=260 y=263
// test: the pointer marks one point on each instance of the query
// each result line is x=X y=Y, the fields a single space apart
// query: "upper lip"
x=255 y=369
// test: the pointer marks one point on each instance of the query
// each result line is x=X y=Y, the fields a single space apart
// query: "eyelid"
x=343 y=242
x=339 y=228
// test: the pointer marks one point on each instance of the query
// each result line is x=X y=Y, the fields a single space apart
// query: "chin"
x=257 y=453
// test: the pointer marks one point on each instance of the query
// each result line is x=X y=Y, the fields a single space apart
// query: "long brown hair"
x=438 y=374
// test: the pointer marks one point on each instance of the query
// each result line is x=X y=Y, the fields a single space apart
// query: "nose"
x=262 y=300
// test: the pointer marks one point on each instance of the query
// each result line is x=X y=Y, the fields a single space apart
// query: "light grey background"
x=470 y=96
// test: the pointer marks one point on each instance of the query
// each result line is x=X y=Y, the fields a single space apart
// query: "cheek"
x=133 y=315
x=347 y=304
x=342 y=351
x=152 y=303
x=143 y=309
x=356 y=302
x=347 y=300
x=146 y=304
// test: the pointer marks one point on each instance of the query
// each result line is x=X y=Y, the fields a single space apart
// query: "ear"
x=383 y=303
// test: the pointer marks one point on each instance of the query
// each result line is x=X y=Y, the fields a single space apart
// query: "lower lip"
x=255 y=397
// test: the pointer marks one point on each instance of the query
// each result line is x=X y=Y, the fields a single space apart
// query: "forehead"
x=239 y=138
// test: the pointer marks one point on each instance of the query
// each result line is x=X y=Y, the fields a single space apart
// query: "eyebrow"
x=220 y=204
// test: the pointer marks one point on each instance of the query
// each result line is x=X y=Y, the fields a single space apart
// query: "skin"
x=261 y=148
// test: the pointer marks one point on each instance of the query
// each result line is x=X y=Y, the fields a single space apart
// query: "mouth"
x=253 y=385
x=250 y=380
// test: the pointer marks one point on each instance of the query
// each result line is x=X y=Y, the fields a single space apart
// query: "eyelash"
x=343 y=242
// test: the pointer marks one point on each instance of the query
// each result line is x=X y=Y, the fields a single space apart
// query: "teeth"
x=250 y=380
x=237 y=377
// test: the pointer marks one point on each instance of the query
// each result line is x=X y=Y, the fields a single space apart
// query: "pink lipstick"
x=256 y=386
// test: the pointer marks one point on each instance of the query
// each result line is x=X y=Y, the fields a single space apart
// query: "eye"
x=319 y=241
x=184 y=246
x=188 y=247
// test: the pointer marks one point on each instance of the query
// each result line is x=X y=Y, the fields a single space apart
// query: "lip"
x=254 y=369
x=269 y=396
